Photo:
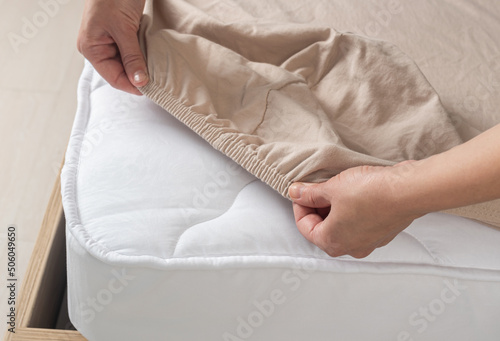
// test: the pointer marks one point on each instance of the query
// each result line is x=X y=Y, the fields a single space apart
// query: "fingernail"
x=140 y=76
x=295 y=190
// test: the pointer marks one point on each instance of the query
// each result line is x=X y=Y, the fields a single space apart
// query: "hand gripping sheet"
x=291 y=101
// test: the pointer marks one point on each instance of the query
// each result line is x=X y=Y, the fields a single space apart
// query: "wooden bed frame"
x=44 y=283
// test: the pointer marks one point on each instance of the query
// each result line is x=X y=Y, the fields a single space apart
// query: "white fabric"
x=167 y=239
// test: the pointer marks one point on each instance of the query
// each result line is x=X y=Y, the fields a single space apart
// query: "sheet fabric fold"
x=291 y=101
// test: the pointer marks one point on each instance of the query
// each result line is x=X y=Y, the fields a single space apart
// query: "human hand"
x=108 y=39
x=354 y=212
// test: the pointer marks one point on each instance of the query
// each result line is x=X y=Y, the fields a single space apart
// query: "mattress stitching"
x=294 y=261
x=90 y=241
x=205 y=221
x=434 y=257
x=77 y=173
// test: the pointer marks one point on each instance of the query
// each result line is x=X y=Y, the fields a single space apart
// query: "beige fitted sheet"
x=301 y=90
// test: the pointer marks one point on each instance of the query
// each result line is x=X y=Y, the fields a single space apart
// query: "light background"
x=38 y=85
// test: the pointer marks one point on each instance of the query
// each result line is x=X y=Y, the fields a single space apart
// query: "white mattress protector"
x=167 y=239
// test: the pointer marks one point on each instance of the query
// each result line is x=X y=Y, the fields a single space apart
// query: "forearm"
x=464 y=175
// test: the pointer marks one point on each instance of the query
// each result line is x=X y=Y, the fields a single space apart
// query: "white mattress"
x=167 y=239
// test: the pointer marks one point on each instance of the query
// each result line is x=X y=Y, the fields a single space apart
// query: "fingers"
x=132 y=59
x=387 y=240
x=103 y=54
x=404 y=163
x=310 y=195
x=108 y=40
x=109 y=65
x=308 y=222
x=311 y=206
x=312 y=225
x=350 y=214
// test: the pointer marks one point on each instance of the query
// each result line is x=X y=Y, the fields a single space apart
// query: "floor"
x=40 y=69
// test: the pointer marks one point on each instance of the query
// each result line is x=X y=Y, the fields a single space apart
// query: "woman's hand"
x=108 y=40
x=365 y=207
x=354 y=212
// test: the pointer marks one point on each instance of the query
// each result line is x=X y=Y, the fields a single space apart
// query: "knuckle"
x=334 y=251
x=361 y=254
x=384 y=243
x=311 y=197
x=81 y=44
x=84 y=44
x=126 y=27
x=130 y=58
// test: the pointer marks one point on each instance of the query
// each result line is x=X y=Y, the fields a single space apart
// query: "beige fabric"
x=289 y=97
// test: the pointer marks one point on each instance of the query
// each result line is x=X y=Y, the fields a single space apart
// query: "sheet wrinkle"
x=102 y=251
x=267 y=103
x=235 y=149
x=337 y=40
x=372 y=94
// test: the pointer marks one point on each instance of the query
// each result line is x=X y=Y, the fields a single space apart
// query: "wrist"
x=410 y=188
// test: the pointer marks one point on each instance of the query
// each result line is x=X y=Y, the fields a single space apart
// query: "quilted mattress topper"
x=291 y=98
x=141 y=189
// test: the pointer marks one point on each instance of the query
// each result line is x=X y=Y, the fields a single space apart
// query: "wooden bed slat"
x=43 y=286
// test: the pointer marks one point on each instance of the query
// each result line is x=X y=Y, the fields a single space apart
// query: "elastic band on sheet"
x=224 y=139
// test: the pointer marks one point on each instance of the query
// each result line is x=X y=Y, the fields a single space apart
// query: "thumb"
x=132 y=59
x=310 y=195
